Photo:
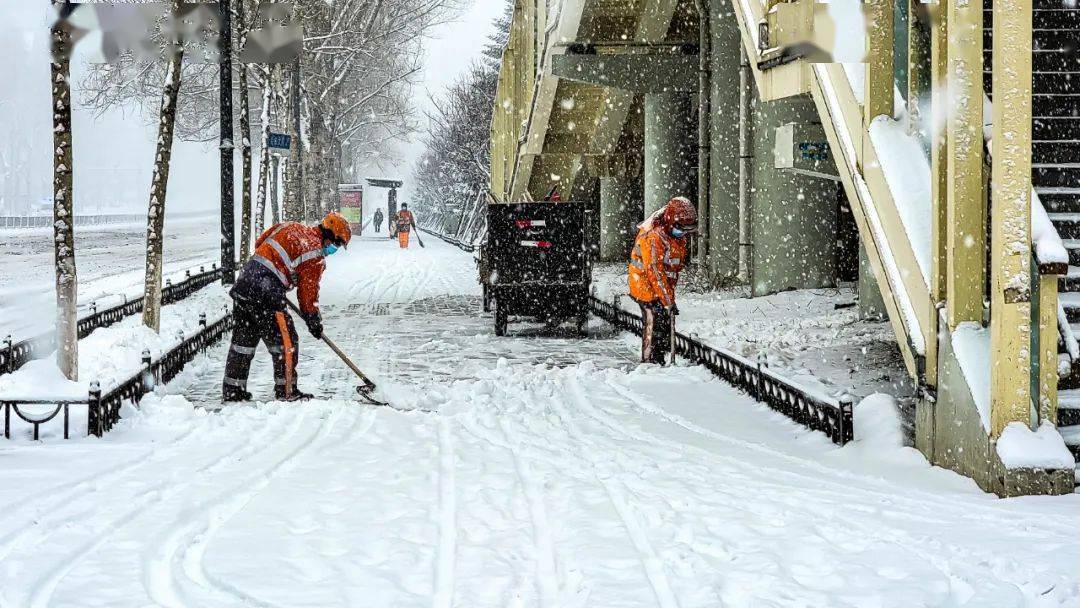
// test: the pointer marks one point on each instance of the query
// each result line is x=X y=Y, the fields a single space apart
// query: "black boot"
x=230 y=395
x=298 y=395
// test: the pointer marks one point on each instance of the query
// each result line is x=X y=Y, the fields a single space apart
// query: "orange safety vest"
x=404 y=220
x=655 y=265
x=293 y=253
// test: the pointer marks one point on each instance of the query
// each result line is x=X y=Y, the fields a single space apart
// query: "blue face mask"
x=330 y=249
x=678 y=233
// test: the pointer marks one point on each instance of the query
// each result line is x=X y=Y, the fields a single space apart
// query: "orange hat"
x=337 y=225
x=679 y=211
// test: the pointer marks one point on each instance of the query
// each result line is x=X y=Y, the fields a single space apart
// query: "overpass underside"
x=814 y=157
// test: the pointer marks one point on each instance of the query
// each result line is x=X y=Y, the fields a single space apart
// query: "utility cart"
x=536 y=263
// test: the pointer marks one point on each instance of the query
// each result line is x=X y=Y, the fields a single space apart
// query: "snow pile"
x=1020 y=448
x=971 y=345
x=877 y=423
x=1048 y=246
x=907 y=171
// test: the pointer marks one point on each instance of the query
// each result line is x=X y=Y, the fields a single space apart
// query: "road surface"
x=550 y=471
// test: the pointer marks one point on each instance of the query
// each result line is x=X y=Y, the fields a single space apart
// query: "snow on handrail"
x=103 y=408
x=14 y=355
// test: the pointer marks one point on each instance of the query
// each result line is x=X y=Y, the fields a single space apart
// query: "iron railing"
x=817 y=412
x=467 y=247
x=103 y=409
x=14 y=355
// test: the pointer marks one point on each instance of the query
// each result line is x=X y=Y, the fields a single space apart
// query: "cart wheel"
x=500 y=319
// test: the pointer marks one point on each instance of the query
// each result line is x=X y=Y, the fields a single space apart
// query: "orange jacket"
x=405 y=220
x=655 y=265
x=293 y=253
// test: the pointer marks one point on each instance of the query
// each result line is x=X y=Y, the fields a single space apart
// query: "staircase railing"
x=14 y=355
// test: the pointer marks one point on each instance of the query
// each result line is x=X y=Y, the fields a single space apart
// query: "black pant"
x=253 y=321
x=377 y=226
x=656 y=333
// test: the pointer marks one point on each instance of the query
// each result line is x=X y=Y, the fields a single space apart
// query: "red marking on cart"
x=539 y=244
x=531 y=223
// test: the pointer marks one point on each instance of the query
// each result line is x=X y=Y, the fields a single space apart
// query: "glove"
x=675 y=310
x=314 y=324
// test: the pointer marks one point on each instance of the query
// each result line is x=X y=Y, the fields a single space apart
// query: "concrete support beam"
x=965 y=229
x=1010 y=243
x=871 y=304
x=640 y=73
x=620 y=212
x=939 y=179
x=879 y=60
x=669 y=149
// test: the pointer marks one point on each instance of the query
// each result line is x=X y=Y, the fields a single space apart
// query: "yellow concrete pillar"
x=1010 y=242
x=965 y=230
x=879 y=60
x=1048 y=347
x=938 y=173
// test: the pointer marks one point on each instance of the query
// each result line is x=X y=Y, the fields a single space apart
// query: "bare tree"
x=245 y=139
x=155 y=220
x=264 y=150
x=67 y=284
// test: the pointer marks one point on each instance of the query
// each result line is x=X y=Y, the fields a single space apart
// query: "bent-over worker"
x=288 y=255
x=659 y=256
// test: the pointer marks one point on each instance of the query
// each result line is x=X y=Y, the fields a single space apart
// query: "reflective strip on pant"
x=240 y=384
x=287 y=347
x=243 y=350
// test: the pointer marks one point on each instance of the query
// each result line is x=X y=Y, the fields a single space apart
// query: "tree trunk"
x=245 y=143
x=67 y=284
x=264 y=155
x=294 y=203
x=155 y=220
x=275 y=188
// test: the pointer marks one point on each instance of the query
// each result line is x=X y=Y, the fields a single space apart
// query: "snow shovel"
x=671 y=339
x=417 y=231
x=366 y=389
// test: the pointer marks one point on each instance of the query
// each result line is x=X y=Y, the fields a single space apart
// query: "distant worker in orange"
x=288 y=255
x=405 y=222
x=659 y=256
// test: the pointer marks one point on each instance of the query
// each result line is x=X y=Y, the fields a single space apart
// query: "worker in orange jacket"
x=405 y=222
x=288 y=255
x=659 y=256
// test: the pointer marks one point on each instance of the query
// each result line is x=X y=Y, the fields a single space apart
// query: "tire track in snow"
x=818 y=483
x=546 y=566
x=447 y=548
x=77 y=491
x=185 y=546
x=950 y=559
x=160 y=493
x=651 y=563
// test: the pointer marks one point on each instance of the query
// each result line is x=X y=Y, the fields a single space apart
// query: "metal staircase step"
x=1057 y=128
x=1055 y=151
x=1055 y=175
x=1069 y=408
x=1055 y=105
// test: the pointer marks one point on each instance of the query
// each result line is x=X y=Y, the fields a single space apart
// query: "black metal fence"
x=830 y=416
x=467 y=247
x=14 y=355
x=103 y=409
x=88 y=219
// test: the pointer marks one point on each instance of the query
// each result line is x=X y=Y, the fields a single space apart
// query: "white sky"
x=114 y=154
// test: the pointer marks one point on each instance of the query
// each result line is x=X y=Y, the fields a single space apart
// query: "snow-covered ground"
x=541 y=469
x=110 y=261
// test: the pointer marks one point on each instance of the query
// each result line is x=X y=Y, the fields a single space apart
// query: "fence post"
x=187 y=274
x=93 y=307
x=93 y=411
x=762 y=364
x=202 y=320
x=202 y=269
x=845 y=428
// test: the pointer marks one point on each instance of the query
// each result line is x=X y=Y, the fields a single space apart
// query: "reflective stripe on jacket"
x=655 y=265
x=293 y=253
x=405 y=220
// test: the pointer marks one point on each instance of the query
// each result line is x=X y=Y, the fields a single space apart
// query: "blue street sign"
x=279 y=141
